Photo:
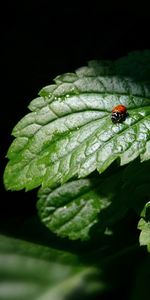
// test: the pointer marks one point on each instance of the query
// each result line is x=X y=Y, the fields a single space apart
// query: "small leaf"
x=29 y=271
x=69 y=132
x=72 y=209
x=144 y=226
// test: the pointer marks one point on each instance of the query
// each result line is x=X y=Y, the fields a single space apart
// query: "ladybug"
x=119 y=113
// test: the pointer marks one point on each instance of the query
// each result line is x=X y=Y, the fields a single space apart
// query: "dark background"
x=42 y=39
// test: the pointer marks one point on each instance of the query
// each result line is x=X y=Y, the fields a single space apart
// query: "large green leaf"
x=33 y=272
x=69 y=132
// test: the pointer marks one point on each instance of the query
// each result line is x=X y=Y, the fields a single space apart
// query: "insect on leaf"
x=69 y=132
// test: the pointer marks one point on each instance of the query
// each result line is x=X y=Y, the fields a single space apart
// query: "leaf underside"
x=69 y=132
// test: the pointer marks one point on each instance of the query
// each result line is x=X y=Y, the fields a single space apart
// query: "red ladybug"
x=119 y=113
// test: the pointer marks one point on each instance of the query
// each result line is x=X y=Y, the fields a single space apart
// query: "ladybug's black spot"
x=118 y=117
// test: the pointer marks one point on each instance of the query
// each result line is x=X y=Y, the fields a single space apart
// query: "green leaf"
x=73 y=209
x=69 y=132
x=29 y=271
x=144 y=226
x=145 y=233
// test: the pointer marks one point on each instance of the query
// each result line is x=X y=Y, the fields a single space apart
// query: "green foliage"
x=73 y=209
x=69 y=132
x=93 y=176
x=29 y=271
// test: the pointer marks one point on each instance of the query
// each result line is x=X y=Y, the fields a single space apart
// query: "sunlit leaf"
x=144 y=227
x=69 y=132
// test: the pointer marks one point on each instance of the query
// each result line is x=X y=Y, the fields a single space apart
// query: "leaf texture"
x=84 y=208
x=72 y=209
x=69 y=132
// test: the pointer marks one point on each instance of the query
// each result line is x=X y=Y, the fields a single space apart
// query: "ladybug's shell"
x=119 y=113
x=119 y=109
